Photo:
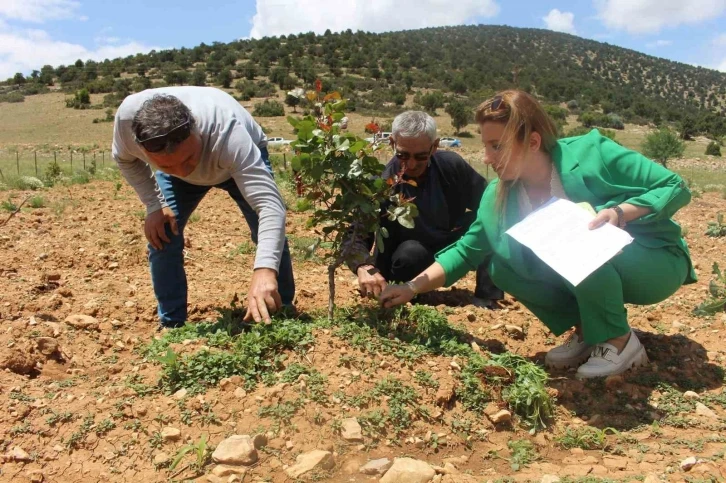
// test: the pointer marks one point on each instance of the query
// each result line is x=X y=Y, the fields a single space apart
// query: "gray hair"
x=159 y=115
x=412 y=124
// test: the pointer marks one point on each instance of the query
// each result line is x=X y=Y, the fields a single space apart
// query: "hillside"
x=377 y=71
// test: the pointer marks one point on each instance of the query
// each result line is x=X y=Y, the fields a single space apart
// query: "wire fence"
x=36 y=163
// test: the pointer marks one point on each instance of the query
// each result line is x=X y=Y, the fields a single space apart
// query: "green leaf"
x=180 y=454
x=293 y=121
x=296 y=163
x=384 y=232
x=357 y=146
x=379 y=240
x=338 y=116
x=406 y=221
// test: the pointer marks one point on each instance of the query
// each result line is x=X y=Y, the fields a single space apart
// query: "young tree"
x=460 y=114
x=663 y=145
x=19 y=79
x=345 y=182
x=293 y=98
x=199 y=77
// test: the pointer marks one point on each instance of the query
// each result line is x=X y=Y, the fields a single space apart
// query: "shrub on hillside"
x=662 y=145
x=269 y=108
x=713 y=149
x=12 y=97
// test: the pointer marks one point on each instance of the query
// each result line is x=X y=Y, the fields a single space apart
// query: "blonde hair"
x=521 y=115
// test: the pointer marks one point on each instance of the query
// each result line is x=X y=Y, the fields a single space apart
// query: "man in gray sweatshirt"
x=173 y=145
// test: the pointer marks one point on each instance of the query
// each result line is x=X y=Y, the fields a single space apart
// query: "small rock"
x=351 y=431
x=549 y=479
x=577 y=451
x=455 y=365
x=376 y=467
x=171 y=434
x=614 y=382
x=408 y=470
x=515 y=331
x=590 y=460
x=470 y=316
x=52 y=277
x=18 y=454
x=457 y=460
x=458 y=478
x=705 y=411
x=307 y=462
x=236 y=450
x=180 y=394
x=161 y=459
x=289 y=445
x=691 y=395
x=688 y=463
x=651 y=478
x=82 y=321
x=35 y=476
x=384 y=365
x=226 y=470
x=113 y=265
x=47 y=345
x=240 y=393
x=502 y=416
x=678 y=325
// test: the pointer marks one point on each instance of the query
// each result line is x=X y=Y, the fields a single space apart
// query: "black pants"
x=403 y=262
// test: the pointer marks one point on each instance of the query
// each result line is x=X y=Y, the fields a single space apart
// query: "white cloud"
x=295 y=16
x=650 y=16
x=107 y=40
x=38 y=10
x=28 y=49
x=659 y=43
x=560 y=21
x=83 y=18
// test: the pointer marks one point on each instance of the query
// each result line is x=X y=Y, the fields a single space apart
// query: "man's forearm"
x=140 y=176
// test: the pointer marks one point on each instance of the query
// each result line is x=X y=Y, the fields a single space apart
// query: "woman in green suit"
x=622 y=186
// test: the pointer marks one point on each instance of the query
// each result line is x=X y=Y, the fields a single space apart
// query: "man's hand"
x=370 y=285
x=155 y=229
x=263 y=297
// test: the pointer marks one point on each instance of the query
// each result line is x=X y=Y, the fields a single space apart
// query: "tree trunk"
x=331 y=290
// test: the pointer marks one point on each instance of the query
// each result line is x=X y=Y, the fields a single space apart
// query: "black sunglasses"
x=496 y=103
x=405 y=156
x=177 y=135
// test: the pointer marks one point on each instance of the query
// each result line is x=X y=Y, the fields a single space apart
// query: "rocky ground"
x=88 y=391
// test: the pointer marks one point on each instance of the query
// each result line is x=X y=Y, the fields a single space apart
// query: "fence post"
x=17 y=161
x=103 y=158
x=84 y=160
x=35 y=156
x=55 y=160
x=71 y=160
x=284 y=161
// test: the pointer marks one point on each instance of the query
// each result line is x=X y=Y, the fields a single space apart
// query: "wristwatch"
x=621 y=216
x=372 y=271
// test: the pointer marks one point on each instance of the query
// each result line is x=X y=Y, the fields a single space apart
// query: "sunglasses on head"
x=175 y=136
x=497 y=102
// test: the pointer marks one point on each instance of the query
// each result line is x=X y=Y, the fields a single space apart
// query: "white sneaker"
x=572 y=353
x=605 y=360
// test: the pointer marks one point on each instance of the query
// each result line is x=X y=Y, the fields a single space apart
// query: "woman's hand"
x=605 y=216
x=395 y=295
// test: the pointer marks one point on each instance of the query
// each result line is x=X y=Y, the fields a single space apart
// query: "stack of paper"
x=558 y=234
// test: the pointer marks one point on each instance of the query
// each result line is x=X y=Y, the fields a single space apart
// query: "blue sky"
x=37 y=32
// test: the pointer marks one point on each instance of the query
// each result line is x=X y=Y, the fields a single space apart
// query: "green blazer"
x=593 y=169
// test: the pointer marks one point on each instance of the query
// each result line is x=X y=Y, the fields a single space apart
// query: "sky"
x=38 y=32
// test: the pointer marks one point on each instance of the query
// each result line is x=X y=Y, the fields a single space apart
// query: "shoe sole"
x=572 y=363
x=639 y=359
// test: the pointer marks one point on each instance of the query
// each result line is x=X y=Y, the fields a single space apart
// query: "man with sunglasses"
x=446 y=191
x=173 y=145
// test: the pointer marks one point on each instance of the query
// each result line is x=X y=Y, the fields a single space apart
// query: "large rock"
x=307 y=462
x=18 y=454
x=82 y=321
x=409 y=470
x=47 y=346
x=705 y=411
x=224 y=470
x=236 y=450
x=17 y=361
x=351 y=431
x=376 y=467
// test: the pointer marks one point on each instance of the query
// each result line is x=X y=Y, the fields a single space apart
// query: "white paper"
x=558 y=234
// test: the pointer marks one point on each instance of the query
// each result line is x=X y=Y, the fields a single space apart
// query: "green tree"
x=199 y=77
x=249 y=71
x=224 y=78
x=663 y=145
x=460 y=114
x=687 y=128
x=432 y=101
x=19 y=79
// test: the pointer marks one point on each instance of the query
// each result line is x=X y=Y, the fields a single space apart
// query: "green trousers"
x=639 y=275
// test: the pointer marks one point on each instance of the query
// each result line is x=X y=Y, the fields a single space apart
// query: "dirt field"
x=89 y=404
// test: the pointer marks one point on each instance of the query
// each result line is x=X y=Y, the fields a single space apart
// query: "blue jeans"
x=167 y=265
x=266 y=159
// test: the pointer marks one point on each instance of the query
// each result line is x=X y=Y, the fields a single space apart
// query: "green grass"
x=9 y=206
x=523 y=453
x=584 y=437
x=194 y=217
x=36 y=202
